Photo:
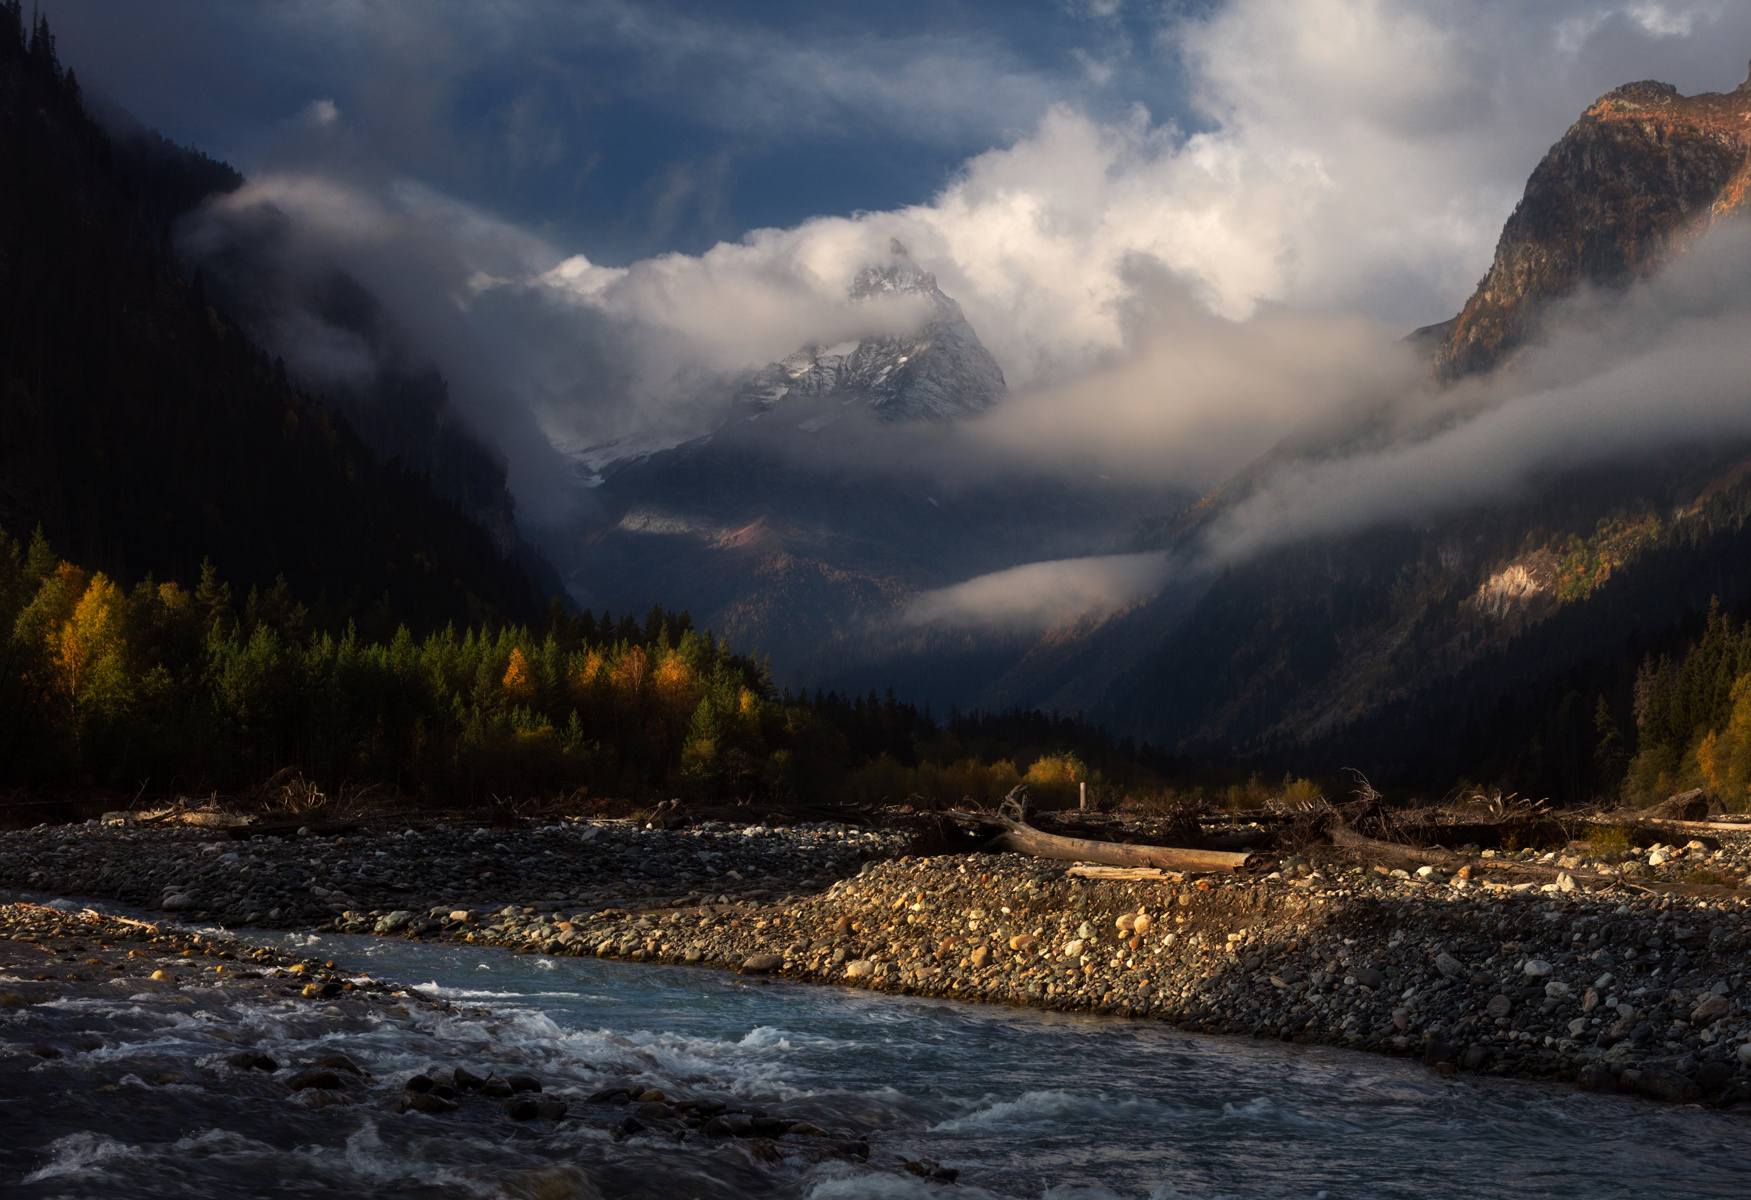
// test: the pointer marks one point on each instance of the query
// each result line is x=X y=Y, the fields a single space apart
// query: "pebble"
x=416 y=879
x=1468 y=980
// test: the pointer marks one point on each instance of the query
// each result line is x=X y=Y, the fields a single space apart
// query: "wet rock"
x=523 y=1083
x=522 y=1108
x=610 y=1096
x=339 y=1062
x=858 y=1150
x=626 y=1127
x=427 y=1102
x=420 y=1083
x=325 y=1079
x=761 y=964
x=250 y=1060
x=924 y=1168
x=466 y=1080
x=655 y=1110
x=1596 y=1077
x=550 y=1108
x=1712 y=1077
x=763 y=1149
x=394 y=922
x=1663 y=1083
x=736 y=1124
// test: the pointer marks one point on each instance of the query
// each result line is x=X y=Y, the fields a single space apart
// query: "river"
x=1020 y=1103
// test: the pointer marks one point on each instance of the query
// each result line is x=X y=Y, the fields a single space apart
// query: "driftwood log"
x=1018 y=837
x=1124 y=874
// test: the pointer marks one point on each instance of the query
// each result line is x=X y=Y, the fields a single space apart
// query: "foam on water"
x=1024 y=1104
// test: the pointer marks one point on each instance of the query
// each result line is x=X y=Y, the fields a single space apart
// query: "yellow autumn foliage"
x=1725 y=754
x=519 y=682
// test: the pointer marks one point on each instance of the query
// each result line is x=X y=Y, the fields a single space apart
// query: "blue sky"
x=624 y=129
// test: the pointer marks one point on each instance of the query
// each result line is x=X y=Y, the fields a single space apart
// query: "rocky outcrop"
x=938 y=372
x=1640 y=174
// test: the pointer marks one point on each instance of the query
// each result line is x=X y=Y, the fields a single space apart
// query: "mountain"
x=145 y=432
x=1499 y=642
x=1641 y=174
x=399 y=404
x=808 y=520
x=938 y=372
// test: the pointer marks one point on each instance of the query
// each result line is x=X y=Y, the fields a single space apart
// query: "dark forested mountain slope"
x=145 y=432
x=401 y=408
x=1482 y=643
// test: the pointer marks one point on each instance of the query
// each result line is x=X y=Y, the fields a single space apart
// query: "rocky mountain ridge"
x=1639 y=176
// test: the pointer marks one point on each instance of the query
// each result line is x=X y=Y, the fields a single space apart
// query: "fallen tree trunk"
x=1020 y=838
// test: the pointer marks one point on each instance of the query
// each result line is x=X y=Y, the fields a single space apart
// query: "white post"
x=1084 y=788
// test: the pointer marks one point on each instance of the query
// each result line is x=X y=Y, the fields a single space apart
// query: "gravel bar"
x=1620 y=988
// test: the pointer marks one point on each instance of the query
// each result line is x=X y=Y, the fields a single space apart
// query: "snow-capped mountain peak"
x=939 y=372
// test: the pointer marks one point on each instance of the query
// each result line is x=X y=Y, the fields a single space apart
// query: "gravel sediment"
x=293 y=882
x=1623 y=988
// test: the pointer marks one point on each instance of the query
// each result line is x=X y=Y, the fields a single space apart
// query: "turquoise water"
x=1021 y=1104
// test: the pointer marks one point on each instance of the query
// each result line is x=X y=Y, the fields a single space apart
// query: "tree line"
x=166 y=687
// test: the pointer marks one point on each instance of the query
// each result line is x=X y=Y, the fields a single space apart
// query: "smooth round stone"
x=1537 y=968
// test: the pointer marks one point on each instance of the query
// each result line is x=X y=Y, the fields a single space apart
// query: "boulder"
x=394 y=922
x=1663 y=1083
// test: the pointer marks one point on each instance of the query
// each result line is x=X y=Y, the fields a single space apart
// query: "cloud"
x=1165 y=297
x=1663 y=366
x=1040 y=595
x=420 y=257
x=1195 y=394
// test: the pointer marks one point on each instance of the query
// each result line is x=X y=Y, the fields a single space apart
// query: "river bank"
x=144 y=1102
x=1618 y=988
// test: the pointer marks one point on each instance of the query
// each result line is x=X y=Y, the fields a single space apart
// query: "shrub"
x=1608 y=839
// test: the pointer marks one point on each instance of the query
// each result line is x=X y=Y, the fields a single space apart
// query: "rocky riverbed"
x=299 y=880
x=1549 y=965
x=160 y=1026
x=1624 y=991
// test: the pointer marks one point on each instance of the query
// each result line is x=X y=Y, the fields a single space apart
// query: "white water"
x=1023 y=1104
